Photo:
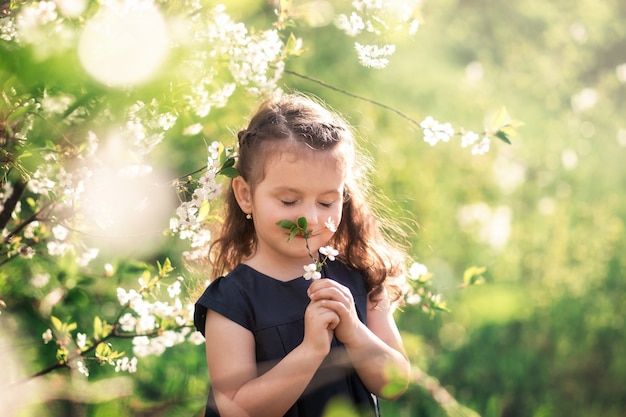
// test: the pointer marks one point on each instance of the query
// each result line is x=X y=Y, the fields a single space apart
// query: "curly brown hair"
x=362 y=237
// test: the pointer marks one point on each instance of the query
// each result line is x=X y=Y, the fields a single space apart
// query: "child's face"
x=309 y=184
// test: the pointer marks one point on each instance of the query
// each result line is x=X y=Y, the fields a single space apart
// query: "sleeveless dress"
x=273 y=311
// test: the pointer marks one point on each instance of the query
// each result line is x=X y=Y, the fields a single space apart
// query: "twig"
x=358 y=97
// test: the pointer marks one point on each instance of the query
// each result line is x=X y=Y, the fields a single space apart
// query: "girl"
x=278 y=344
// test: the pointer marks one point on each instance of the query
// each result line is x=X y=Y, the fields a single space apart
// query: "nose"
x=311 y=215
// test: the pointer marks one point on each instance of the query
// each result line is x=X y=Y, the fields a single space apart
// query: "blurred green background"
x=544 y=336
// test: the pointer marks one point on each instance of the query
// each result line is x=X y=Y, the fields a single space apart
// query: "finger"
x=339 y=308
x=327 y=311
x=332 y=293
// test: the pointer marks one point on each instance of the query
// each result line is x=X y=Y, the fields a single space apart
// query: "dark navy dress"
x=273 y=311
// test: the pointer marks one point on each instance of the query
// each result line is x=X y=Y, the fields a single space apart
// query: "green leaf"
x=473 y=275
x=19 y=112
x=166 y=268
x=228 y=163
x=229 y=172
x=56 y=323
x=302 y=224
x=97 y=328
x=501 y=118
x=291 y=48
x=286 y=224
x=222 y=157
x=103 y=350
x=502 y=136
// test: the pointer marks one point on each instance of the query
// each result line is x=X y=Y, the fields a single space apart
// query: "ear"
x=243 y=194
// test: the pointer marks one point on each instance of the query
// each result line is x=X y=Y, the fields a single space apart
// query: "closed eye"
x=327 y=205
x=288 y=203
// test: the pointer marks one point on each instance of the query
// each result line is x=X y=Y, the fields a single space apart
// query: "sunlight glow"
x=121 y=47
x=125 y=206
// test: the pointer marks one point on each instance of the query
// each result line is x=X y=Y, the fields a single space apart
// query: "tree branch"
x=358 y=97
x=9 y=205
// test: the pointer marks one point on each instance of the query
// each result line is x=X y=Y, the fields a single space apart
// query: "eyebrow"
x=287 y=189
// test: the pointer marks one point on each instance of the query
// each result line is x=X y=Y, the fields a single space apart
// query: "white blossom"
x=80 y=366
x=29 y=230
x=469 y=138
x=81 y=340
x=196 y=338
x=435 y=132
x=40 y=280
x=5 y=193
x=127 y=322
x=174 y=289
x=47 y=336
x=351 y=25
x=193 y=129
x=329 y=252
x=311 y=272
x=417 y=270
x=374 y=56
x=330 y=224
x=127 y=365
x=481 y=147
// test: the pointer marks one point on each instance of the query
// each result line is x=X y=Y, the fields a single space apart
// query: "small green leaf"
x=473 y=275
x=222 y=154
x=503 y=137
x=286 y=224
x=56 y=323
x=97 y=328
x=501 y=118
x=228 y=163
x=17 y=114
x=103 y=350
x=291 y=48
x=166 y=268
x=302 y=224
x=229 y=172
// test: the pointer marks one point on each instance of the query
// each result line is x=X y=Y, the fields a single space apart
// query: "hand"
x=319 y=325
x=338 y=298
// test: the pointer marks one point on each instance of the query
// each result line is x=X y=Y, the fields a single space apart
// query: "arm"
x=375 y=349
x=231 y=360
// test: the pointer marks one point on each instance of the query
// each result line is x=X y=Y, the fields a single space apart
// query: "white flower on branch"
x=311 y=272
x=435 y=132
x=374 y=56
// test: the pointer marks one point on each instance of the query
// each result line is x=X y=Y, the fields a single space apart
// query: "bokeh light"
x=124 y=46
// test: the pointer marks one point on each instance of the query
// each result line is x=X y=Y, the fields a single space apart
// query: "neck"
x=282 y=271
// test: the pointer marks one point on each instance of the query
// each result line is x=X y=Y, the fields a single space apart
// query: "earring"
x=248 y=216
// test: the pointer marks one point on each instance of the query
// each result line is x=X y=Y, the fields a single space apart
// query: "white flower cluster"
x=311 y=272
x=254 y=60
x=188 y=223
x=146 y=126
x=5 y=193
x=329 y=252
x=378 y=17
x=417 y=290
x=435 y=132
x=145 y=317
x=479 y=147
x=373 y=56
x=39 y=25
